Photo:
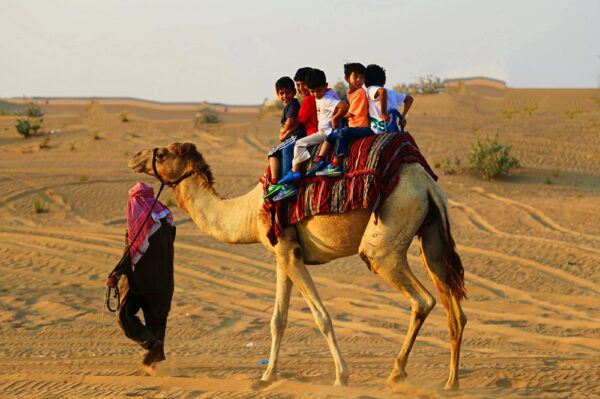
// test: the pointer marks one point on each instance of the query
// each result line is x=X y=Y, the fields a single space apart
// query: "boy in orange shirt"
x=358 y=122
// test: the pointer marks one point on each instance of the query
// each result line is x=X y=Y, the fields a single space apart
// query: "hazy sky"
x=233 y=51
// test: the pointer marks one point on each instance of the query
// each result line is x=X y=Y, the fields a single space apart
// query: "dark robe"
x=150 y=288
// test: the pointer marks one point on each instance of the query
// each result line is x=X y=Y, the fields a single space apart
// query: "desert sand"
x=530 y=245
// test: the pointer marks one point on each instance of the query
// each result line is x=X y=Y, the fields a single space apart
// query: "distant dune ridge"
x=530 y=245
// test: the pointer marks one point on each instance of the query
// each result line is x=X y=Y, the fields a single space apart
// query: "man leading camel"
x=149 y=271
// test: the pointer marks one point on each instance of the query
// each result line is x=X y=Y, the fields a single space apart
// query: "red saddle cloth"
x=370 y=175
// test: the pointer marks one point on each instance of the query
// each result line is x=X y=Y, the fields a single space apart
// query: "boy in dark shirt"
x=291 y=130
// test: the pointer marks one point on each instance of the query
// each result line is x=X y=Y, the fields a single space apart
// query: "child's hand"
x=335 y=122
x=386 y=117
x=403 y=122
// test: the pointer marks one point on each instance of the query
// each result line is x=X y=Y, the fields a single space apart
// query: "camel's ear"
x=186 y=148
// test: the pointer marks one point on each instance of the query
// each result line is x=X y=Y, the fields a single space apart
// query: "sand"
x=530 y=244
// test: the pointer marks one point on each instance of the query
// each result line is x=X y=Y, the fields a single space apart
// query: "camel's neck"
x=229 y=220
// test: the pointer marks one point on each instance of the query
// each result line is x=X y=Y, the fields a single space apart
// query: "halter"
x=163 y=183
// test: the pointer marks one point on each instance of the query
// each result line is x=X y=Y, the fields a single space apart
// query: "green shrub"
x=44 y=143
x=571 y=112
x=206 y=116
x=449 y=166
x=509 y=112
x=555 y=173
x=424 y=85
x=340 y=89
x=72 y=145
x=25 y=127
x=39 y=205
x=33 y=111
x=169 y=201
x=491 y=159
x=530 y=109
x=124 y=116
x=5 y=112
x=84 y=178
x=96 y=134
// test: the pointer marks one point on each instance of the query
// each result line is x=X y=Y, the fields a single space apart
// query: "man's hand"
x=112 y=281
x=386 y=117
x=403 y=122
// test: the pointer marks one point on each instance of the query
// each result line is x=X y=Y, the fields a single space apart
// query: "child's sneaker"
x=319 y=166
x=290 y=177
x=331 y=171
x=272 y=189
x=286 y=192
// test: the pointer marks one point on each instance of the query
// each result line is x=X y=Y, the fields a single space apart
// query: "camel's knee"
x=278 y=323
x=423 y=305
x=323 y=322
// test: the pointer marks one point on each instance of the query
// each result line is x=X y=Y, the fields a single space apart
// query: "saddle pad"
x=370 y=175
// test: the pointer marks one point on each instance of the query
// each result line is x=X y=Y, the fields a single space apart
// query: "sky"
x=234 y=51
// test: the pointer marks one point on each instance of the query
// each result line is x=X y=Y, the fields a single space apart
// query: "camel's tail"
x=456 y=273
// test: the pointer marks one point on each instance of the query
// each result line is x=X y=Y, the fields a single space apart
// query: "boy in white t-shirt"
x=329 y=112
x=384 y=103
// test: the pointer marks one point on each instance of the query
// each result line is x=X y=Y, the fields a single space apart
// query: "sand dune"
x=531 y=252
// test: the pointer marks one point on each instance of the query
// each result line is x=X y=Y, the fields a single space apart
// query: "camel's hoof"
x=269 y=376
x=451 y=385
x=394 y=380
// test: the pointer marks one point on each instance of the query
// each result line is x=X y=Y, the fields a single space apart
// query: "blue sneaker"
x=319 y=166
x=286 y=192
x=331 y=171
x=290 y=177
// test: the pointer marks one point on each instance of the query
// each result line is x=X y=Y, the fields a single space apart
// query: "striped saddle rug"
x=370 y=176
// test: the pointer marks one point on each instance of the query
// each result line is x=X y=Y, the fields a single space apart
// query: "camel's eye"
x=160 y=154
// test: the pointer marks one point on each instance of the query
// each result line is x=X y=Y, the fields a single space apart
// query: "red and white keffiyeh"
x=141 y=198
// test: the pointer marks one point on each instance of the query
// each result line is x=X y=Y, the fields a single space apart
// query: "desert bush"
x=124 y=116
x=25 y=127
x=169 y=201
x=424 y=85
x=39 y=205
x=44 y=143
x=340 y=89
x=530 y=109
x=491 y=159
x=448 y=165
x=508 y=113
x=555 y=173
x=33 y=111
x=571 y=112
x=206 y=116
x=72 y=145
x=5 y=112
x=84 y=178
x=96 y=134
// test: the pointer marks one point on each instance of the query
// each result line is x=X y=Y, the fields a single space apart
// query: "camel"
x=416 y=206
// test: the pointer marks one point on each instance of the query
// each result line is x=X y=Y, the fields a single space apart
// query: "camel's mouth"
x=139 y=162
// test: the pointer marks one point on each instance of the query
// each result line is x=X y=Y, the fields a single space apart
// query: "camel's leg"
x=278 y=322
x=432 y=256
x=296 y=270
x=383 y=248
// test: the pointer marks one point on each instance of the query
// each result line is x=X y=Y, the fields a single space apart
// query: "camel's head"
x=172 y=162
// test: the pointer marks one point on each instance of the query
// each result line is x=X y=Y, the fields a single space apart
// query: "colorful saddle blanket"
x=370 y=176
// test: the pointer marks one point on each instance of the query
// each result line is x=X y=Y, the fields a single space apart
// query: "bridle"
x=163 y=183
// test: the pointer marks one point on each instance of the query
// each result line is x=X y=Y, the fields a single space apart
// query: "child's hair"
x=375 y=76
x=300 y=75
x=315 y=78
x=285 y=83
x=355 y=67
